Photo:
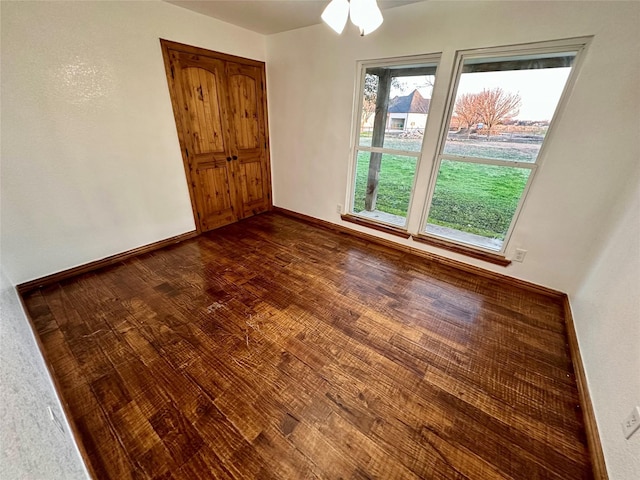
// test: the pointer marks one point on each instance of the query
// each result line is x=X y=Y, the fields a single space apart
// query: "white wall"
x=91 y=164
x=32 y=446
x=90 y=159
x=592 y=150
x=607 y=312
x=574 y=226
x=90 y=167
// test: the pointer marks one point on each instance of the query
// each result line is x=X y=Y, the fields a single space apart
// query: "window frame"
x=577 y=45
x=355 y=147
x=429 y=157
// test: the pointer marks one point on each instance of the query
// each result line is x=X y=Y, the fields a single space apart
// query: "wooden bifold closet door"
x=220 y=110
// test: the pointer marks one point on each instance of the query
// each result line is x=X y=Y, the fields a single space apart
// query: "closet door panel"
x=248 y=132
x=201 y=84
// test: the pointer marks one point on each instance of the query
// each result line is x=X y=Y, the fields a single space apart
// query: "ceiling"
x=269 y=16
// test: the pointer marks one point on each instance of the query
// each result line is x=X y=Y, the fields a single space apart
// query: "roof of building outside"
x=412 y=103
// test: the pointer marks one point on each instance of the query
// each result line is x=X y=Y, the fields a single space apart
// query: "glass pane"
x=395 y=106
x=383 y=187
x=503 y=106
x=475 y=203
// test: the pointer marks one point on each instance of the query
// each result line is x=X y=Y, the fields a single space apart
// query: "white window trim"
x=431 y=168
x=577 y=45
x=489 y=161
x=361 y=67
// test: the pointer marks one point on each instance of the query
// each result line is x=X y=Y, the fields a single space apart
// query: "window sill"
x=468 y=251
x=436 y=242
x=399 y=232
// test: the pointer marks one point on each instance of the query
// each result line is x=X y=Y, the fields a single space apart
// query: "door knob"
x=228 y=159
x=235 y=157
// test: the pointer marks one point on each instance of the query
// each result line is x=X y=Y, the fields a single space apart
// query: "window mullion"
x=407 y=153
x=499 y=110
x=390 y=122
x=478 y=187
x=489 y=161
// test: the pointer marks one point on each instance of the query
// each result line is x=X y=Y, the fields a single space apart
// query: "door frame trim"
x=167 y=45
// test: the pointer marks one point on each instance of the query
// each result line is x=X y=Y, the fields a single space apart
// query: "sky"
x=540 y=90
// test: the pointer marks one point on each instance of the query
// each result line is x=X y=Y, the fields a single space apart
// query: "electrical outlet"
x=338 y=208
x=631 y=423
x=519 y=255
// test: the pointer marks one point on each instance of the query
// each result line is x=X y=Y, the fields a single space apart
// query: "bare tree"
x=467 y=109
x=496 y=106
x=370 y=95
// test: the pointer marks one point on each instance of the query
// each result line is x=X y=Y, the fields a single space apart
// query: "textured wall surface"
x=91 y=164
x=91 y=167
x=572 y=214
x=607 y=312
x=312 y=73
x=31 y=445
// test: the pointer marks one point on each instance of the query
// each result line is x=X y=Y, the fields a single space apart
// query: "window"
x=396 y=123
x=394 y=105
x=500 y=115
x=499 y=111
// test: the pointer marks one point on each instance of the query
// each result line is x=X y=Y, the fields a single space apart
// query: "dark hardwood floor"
x=273 y=349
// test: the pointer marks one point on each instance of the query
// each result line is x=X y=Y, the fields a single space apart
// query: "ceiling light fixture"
x=365 y=14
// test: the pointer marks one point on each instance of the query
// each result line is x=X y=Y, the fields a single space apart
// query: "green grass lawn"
x=479 y=199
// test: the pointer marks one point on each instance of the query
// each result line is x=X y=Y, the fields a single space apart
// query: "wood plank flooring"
x=273 y=349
